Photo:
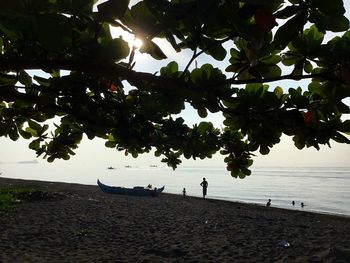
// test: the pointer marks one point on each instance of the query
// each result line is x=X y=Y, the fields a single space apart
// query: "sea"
x=321 y=189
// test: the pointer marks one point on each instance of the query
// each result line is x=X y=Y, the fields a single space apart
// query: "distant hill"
x=32 y=161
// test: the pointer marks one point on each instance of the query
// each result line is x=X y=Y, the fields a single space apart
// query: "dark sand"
x=82 y=224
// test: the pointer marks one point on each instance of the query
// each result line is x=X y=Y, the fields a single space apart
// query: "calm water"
x=321 y=189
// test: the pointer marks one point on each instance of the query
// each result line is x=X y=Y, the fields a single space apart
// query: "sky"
x=94 y=151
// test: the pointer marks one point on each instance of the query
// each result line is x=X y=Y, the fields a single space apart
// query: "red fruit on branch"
x=264 y=19
x=346 y=76
x=112 y=87
x=308 y=116
x=109 y=85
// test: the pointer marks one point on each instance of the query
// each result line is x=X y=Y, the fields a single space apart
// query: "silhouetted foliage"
x=103 y=96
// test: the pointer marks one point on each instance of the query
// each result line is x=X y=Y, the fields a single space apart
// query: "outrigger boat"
x=137 y=190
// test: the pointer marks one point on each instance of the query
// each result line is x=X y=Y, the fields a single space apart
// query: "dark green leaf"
x=110 y=144
x=170 y=69
x=308 y=67
x=217 y=51
x=269 y=71
x=25 y=79
x=340 y=138
x=313 y=37
x=143 y=22
x=202 y=112
x=13 y=134
x=204 y=127
x=35 y=145
x=7 y=79
x=33 y=125
x=335 y=24
x=113 y=8
x=264 y=150
x=334 y=9
x=278 y=91
x=345 y=126
x=115 y=49
x=32 y=132
x=288 y=31
x=299 y=142
x=152 y=49
x=25 y=134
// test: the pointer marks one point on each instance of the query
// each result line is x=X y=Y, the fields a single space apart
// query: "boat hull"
x=136 y=191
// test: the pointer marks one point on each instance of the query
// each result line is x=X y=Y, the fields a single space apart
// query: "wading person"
x=204 y=185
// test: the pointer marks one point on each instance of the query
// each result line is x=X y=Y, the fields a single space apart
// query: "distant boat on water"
x=127 y=166
x=153 y=165
x=110 y=168
x=137 y=190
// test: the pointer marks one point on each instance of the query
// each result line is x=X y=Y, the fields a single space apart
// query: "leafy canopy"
x=95 y=97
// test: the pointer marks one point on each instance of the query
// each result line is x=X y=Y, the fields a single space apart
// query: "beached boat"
x=137 y=190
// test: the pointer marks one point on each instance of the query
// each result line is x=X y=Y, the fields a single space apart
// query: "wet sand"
x=79 y=223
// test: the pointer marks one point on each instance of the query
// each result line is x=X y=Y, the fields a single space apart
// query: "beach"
x=79 y=223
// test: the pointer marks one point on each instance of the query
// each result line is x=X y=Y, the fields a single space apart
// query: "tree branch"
x=194 y=56
x=266 y=80
x=111 y=69
x=135 y=77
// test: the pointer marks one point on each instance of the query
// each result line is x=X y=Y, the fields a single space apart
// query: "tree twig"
x=196 y=55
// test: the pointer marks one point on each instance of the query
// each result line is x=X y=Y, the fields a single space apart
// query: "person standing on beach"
x=204 y=185
x=268 y=204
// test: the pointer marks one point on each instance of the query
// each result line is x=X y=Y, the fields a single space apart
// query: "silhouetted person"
x=268 y=204
x=302 y=205
x=184 y=192
x=204 y=185
x=293 y=203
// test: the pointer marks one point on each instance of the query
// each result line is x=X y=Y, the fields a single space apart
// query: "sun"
x=133 y=41
x=136 y=42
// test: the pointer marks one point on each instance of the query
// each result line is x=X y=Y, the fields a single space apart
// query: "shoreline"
x=83 y=224
x=321 y=189
x=281 y=207
x=339 y=214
